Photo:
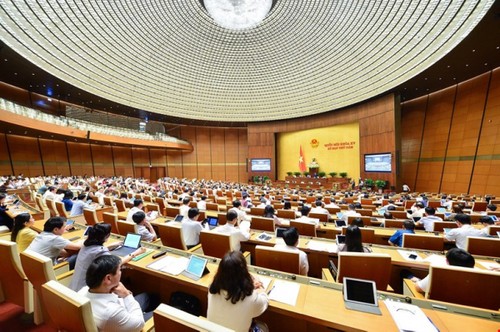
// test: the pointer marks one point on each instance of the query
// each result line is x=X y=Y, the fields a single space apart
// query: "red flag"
x=302 y=161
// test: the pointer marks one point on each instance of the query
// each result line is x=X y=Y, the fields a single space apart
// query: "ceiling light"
x=238 y=14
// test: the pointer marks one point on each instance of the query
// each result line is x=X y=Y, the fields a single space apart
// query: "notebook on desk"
x=130 y=244
x=361 y=295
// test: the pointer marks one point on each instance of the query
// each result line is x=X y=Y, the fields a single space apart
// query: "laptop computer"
x=212 y=222
x=340 y=239
x=441 y=209
x=130 y=244
x=179 y=218
x=361 y=295
x=493 y=217
x=340 y=223
x=333 y=269
x=339 y=215
x=381 y=212
x=196 y=268
x=446 y=230
x=498 y=233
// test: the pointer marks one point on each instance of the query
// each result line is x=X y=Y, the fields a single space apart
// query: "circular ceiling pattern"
x=170 y=57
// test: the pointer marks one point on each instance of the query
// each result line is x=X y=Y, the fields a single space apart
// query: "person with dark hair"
x=491 y=207
x=52 y=194
x=487 y=222
x=397 y=238
x=304 y=211
x=144 y=227
x=353 y=241
x=416 y=211
x=184 y=208
x=454 y=257
x=291 y=238
x=79 y=205
x=113 y=306
x=68 y=200
x=138 y=204
x=5 y=219
x=351 y=211
x=464 y=230
x=358 y=222
x=388 y=215
x=319 y=208
x=51 y=244
x=237 y=234
x=238 y=208
x=93 y=247
x=429 y=219
x=270 y=213
x=235 y=297
x=202 y=203
x=22 y=234
x=191 y=228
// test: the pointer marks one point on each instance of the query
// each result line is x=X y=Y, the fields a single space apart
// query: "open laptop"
x=381 y=212
x=196 y=268
x=340 y=239
x=361 y=295
x=130 y=244
x=340 y=223
x=493 y=217
x=441 y=209
x=212 y=222
x=179 y=218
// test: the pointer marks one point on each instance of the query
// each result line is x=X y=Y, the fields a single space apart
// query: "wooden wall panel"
x=140 y=157
x=80 y=159
x=242 y=155
x=174 y=164
x=203 y=153
x=231 y=154
x=55 y=157
x=217 y=148
x=158 y=157
x=412 y=126
x=5 y=166
x=103 y=160
x=123 y=161
x=25 y=155
x=189 y=159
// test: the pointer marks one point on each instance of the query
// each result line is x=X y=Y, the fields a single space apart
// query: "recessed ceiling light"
x=473 y=50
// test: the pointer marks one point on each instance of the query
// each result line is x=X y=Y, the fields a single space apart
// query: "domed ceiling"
x=172 y=58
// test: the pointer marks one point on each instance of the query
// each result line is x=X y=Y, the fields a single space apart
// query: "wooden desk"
x=319 y=304
x=22 y=207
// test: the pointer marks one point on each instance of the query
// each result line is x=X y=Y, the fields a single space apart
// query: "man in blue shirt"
x=397 y=238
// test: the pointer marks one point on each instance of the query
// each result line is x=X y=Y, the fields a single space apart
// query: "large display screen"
x=379 y=162
x=260 y=165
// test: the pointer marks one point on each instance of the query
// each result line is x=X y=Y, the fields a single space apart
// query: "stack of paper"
x=436 y=259
x=322 y=246
x=409 y=317
x=284 y=292
x=170 y=264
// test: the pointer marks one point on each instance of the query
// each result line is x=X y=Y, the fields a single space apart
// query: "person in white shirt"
x=138 y=204
x=454 y=257
x=235 y=297
x=406 y=188
x=237 y=234
x=113 y=306
x=144 y=227
x=417 y=211
x=464 y=230
x=320 y=209
x=191 y=228
x=351 y=211
x=486 y=221
x=51 y=194
x=429 y=219
x=291 y=238
x=184 y=208
x=202 y=204
x=304 y=217
x=242 y=215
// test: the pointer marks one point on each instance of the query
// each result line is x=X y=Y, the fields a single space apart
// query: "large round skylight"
x=238 y=14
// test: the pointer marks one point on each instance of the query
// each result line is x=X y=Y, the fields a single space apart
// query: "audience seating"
x=215 y=244
x=366 y=220
x=393 y=223
x=483 y=246
x=304 y=228
x=365 y=212
x=52 y=207
x=466 y=286
x=161 y=203
x=479 y=206
x=16 y=293
x=376 y=267
x=125 y=227
x=276 y=259
x=172 y=211
x=367 y=234
x=439 y=226
x=39 y=270
x=120 y=205
x=222 y=218
x=493 y=230
x=323 y=217
x=256 y=211
x=90 y=217
x=285 y=214
x=212 y=206
x=423 y=241
x=112 y=219
x=67 y=310
x=263 y=224
x=61 y=210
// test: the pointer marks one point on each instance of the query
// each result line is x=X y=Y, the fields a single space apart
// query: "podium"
x=313 y=171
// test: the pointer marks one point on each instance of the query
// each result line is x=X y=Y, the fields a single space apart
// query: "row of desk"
x=319 y=305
